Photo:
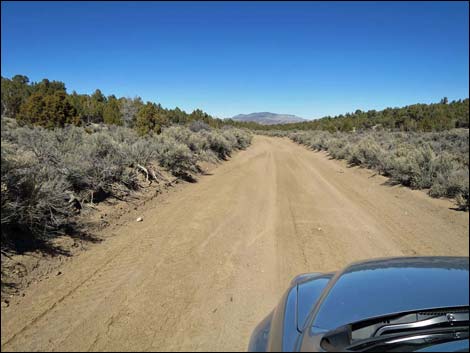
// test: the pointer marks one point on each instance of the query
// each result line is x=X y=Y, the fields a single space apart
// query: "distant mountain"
x=266 y=118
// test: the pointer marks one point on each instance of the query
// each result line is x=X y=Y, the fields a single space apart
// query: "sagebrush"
x=437 y=161
x=47 y=175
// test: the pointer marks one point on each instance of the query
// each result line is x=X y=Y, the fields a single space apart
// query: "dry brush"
x=47 y=176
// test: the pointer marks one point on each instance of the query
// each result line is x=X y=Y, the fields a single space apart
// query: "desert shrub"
x=463 y=200
x=413 y=167
x=367 y=153
x=205 y=144
x=178 y=133
x=34 y=197
x=438 y=161
x=103 y=162
x=450 y=178
x=198 y=125
x=47 y=173
x=219 y=144
x=175 y=156
x=140 y=152
x=197 y=143
x=231 y=139
x=339 y=149
x=273 y=133
x=321 y=142
x=243 y=138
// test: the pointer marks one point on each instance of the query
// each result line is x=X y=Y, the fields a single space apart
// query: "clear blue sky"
x=309 y=59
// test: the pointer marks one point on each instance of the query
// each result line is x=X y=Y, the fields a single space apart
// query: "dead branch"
x=144 y=170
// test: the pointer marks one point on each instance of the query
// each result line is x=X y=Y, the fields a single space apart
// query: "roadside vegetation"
x=440 y=116
x=62 y=153
x=436 y=161
x=47 y=104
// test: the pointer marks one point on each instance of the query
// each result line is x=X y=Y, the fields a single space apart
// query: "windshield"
x=361 y=292
x=453 y=346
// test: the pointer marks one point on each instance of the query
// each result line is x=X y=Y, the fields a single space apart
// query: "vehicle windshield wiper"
x=410 y=341
x=411 y=328
x=448 y=319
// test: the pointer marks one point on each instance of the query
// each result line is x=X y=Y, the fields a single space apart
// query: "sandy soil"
x=211 y=260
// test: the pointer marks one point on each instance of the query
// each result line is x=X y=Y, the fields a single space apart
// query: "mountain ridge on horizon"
x=268 y=118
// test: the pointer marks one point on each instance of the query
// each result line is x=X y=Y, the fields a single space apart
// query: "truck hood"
x=386 y=286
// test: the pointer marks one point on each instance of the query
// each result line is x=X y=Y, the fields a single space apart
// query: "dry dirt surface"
x=209 y=262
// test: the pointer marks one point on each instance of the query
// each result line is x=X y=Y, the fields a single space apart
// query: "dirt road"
x=208 y=263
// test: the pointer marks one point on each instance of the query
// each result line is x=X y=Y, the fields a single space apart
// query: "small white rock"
x=140 y=219
x=319 y=228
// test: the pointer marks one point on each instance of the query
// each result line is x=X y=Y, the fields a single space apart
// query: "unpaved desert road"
x=207 y=264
